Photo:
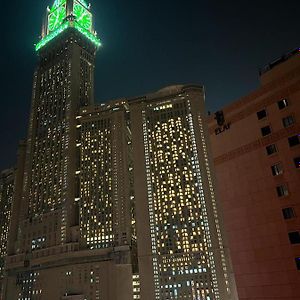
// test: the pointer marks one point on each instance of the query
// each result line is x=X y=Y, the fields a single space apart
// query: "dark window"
x=288 y=213
x=282 y=104
x=261 y=114
x=271 y=149
x=266 y=130
x=294 y=237
x=297 y=259
x=294 y=140
x=282 y=190
x=277 y=169
x=297 y=162
x=288 y=121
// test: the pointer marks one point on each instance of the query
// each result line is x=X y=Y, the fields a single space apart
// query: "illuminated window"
x=282 y=103
x=277 y=169
x=38 y=243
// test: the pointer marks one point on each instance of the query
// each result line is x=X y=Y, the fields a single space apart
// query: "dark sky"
x=148 y=45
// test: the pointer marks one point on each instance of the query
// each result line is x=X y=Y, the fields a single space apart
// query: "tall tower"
x=182 y=253
x=63 y=82
x=48 y=259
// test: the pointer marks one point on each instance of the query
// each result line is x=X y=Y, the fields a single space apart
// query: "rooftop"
x=279 y=60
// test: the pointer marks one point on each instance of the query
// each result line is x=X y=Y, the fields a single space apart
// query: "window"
x=288 y=121
x=297 y=162
x=294 y=237
x=277 y=169
x=288 y=213
x=282 y=104
x=297 y=259
x=261 y=114
x=294 y=140
x=282 y=190
x=271 y=149
x=266 y=130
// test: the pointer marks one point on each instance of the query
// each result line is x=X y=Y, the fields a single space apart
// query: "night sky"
x=148 y=45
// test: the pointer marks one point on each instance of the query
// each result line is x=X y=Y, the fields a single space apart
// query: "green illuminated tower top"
x=65 y=14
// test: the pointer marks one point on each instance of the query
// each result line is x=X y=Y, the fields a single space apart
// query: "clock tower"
x=48 y=257
x=66 y=14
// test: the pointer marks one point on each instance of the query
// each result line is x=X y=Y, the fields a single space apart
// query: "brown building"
x=256 y=150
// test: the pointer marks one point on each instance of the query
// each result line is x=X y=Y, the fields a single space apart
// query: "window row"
x=277 y=169
x=281 y=105
x=287 y=122
x=293 y=141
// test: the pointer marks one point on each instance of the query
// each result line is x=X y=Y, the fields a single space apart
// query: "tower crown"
x=66 y=14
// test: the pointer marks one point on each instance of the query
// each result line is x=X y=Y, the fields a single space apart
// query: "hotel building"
x=181 y=248
x=256 y=150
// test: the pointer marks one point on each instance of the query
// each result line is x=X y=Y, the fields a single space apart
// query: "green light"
x=51 y=36
x=57 y=4
x=83 y=17
x=62 y=28
x=88 y=35
x=56 y=18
